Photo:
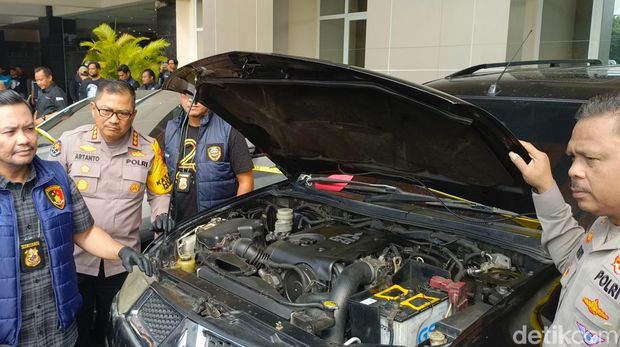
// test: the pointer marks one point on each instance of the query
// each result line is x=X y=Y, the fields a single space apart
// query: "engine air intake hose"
x=346 y=285
x=253 y=253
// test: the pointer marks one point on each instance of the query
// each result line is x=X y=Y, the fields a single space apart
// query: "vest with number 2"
x=215 y=179
x=57 y=225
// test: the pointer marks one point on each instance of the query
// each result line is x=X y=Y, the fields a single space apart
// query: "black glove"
x=163 y=223
x=129 y=257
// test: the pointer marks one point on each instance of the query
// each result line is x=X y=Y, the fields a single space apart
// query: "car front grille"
x=158 y=317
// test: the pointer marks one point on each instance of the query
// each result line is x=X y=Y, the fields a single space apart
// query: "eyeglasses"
x=107 y=113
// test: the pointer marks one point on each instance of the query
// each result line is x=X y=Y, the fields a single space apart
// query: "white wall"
x=421 y=40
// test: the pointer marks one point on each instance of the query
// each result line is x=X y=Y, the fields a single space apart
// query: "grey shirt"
x=589 y=307
x=39 y=324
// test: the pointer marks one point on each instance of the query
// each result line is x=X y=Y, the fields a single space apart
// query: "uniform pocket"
x=86 y=177
x=597 y=308
x=134 y=178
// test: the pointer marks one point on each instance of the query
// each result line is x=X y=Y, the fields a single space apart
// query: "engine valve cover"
x=324 y=246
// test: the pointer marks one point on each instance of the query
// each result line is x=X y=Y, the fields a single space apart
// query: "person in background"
x=18 y=83
x=208 y=160
x=167 y=69
x=89 y=86
x=113 y=166
x=43 y=216
x=124 y=74
x=5 y=78
x=80 y=74
x=51 y=99
x=148 y=80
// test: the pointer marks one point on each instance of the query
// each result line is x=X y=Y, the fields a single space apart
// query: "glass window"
x=357 y=5
x=330 y=7
x=331 y=46
x=357 y=42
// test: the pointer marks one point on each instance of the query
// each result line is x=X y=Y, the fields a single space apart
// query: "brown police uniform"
x=589 y=309
x=112 y=181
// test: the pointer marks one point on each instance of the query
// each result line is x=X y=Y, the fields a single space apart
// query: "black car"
x=537 y=101
x=402 y=221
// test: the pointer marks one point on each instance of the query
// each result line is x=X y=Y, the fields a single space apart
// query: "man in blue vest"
x=214 y=163
x=42 y=216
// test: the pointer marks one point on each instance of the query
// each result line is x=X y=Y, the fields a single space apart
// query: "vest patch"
x=87 y=157
x=607 y=284
x=56 y=196
x=214 y=152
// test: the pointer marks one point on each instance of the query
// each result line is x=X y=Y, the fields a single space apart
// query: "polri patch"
x=30 y=255
x=214 y=152
x=56 y=149
x=56 y=196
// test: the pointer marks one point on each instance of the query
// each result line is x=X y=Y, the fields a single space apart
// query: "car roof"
x=567 y=83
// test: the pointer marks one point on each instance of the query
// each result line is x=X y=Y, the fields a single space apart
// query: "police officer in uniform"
x=589 y=260
x=113 y=166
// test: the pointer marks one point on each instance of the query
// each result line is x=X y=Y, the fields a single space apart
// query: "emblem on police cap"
x=214 y=152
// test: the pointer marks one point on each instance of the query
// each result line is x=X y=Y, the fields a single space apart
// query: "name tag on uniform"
x=31 y=255
x=59 y=98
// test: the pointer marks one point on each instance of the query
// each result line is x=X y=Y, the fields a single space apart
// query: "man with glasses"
x=112 y=165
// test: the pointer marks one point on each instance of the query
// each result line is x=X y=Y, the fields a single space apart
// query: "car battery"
x=400 y=314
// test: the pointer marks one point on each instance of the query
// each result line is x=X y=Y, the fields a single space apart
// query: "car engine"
x=344 y=275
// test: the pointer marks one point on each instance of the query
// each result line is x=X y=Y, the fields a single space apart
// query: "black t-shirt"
x=88 y=87
x=51 y=100
x=186 y=203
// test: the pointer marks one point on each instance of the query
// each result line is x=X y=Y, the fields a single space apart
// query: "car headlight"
x=135 y=284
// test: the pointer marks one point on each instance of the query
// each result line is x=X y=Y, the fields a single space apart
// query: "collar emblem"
x=616 y=265
x=588 y=237
x=93 y=134
x=56 y=196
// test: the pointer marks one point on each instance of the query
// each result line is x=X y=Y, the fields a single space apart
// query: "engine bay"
x=346 y=276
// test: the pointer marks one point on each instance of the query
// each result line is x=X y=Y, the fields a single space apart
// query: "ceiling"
x=130 y=16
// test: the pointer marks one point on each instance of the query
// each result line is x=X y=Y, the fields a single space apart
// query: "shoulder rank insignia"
x=56 y=196
x=93 y=134
x=134 y=141
x=56 y=148
x=88 y=148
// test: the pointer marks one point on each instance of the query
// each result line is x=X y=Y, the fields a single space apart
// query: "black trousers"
x=97 y=293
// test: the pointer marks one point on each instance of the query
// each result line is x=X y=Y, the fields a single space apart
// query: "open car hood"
x=311 y=116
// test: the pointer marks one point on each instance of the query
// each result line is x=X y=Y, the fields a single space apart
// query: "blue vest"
x=215 y=179
x=57 y=225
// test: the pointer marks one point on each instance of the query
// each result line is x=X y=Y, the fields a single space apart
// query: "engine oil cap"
x=332 y=305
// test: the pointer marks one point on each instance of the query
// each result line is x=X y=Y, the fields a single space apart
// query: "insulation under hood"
x=311 y=116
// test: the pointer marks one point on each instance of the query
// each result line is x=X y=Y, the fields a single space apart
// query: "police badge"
x=30 y=255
